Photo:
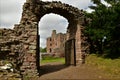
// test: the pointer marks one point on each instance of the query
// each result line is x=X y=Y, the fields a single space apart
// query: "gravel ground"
x=59 y=71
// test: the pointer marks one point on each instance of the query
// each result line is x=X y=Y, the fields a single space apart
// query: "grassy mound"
x=110 y=66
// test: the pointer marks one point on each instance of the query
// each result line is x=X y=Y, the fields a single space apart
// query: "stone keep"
x=56 y=44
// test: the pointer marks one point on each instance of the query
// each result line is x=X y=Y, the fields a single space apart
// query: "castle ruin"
x=20 y=45
x=56 y=44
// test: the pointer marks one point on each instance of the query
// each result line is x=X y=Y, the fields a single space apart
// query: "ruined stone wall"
x=21 y=45
x=10 y=45
x=31 y=46
x=11 y=52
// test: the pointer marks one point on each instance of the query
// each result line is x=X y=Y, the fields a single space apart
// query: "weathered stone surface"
x=26 y=46
x=32 y=47
x=31 y=58
x=31 y=51
x=26 y=63
x=33 y=33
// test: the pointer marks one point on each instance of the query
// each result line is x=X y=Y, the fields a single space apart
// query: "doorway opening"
x=52 y=31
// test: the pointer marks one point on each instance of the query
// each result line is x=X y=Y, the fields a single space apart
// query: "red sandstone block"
x=31 y=58
x=26 y=64
x=26 y=46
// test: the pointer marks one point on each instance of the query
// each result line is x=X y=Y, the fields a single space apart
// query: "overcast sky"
x=11 y=10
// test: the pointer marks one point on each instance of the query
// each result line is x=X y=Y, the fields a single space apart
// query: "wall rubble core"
x=20 y=45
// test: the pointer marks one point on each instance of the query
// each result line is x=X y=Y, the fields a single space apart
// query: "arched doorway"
x=52 y=30
x=50 y=22
x=33 y=11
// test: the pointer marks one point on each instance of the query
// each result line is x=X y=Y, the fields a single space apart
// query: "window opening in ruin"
x=49 y=23
x=50 y=50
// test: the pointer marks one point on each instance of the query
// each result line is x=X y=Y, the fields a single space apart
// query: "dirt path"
x=60 y=71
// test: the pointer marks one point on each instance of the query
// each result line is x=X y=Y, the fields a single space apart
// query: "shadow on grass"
x=49 y=68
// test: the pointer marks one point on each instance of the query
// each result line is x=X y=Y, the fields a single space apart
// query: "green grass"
x=53 y=59
x=110 y=66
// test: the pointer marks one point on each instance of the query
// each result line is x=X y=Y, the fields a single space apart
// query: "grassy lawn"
x=110 y=66
x=52 y=59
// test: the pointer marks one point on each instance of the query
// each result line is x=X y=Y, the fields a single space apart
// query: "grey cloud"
x=9 y=19
x=89 y=10
x=10 y=12
x=56 y=22
x=42 y=42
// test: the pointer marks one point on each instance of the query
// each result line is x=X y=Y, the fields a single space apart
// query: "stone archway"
x=33 y=10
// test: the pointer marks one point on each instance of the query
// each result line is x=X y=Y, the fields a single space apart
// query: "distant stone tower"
x=53 y=33
x=56 y=44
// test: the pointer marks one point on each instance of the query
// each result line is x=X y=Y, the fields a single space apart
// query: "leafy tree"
x=105 y=22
